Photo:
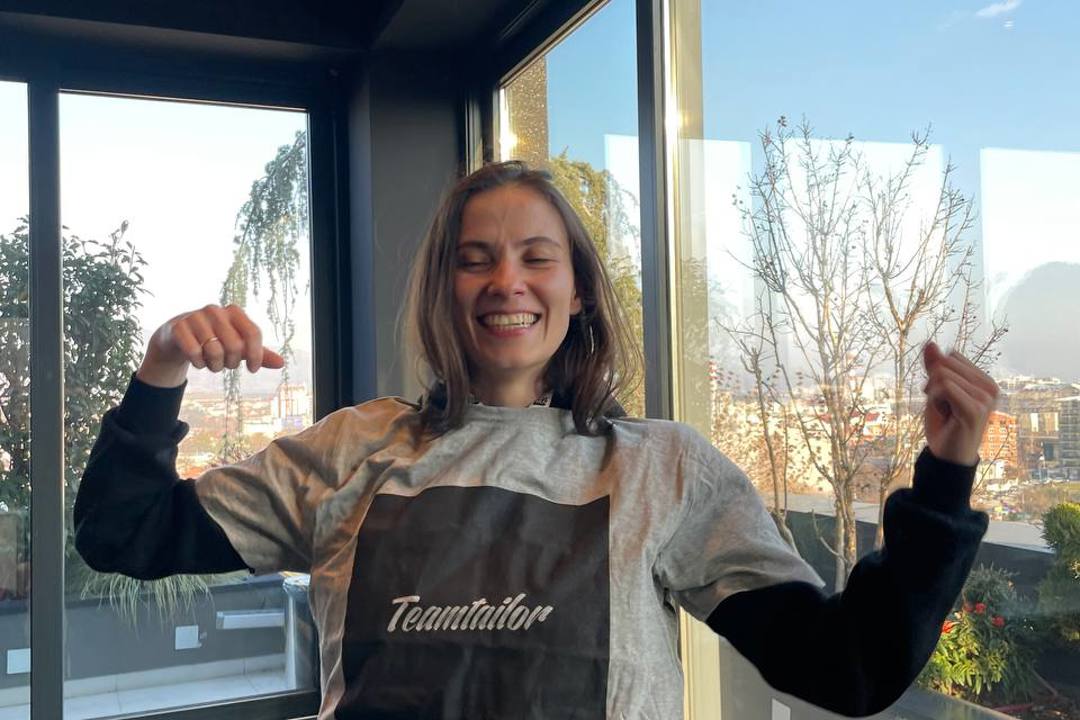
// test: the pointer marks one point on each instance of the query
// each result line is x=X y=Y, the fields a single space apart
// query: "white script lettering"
x=510 y=614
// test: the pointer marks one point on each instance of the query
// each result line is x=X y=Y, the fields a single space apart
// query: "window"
x=14 y=403
x=550 y=117
x=168 y=207
x=850 y=181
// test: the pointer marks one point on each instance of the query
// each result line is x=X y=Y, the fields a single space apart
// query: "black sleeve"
x=133 y=513
x=857 y=651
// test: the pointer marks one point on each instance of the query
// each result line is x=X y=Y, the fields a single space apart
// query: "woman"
x=512 y=545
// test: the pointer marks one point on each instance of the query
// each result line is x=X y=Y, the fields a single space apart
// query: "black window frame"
x=187 y=68
x=531 y=34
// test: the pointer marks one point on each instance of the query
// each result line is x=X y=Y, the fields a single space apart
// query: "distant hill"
x=1043 y=312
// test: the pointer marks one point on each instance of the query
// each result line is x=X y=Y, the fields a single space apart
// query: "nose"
x=505 y=279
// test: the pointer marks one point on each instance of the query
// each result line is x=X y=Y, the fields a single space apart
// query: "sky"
x=178 y=173
x=992 y=80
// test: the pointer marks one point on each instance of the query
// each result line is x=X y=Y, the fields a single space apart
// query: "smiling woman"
x=514 y=292
x=561 y=535
x=508 y=301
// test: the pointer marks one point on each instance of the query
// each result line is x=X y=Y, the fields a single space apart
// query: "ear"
x=575 y=303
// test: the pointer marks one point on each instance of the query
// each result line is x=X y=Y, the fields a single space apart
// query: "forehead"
x=511 y=212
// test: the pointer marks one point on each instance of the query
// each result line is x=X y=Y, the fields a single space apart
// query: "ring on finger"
x=209 y=340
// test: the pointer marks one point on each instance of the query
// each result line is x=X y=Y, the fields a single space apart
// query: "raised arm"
x=856 y=652
x=133 y=513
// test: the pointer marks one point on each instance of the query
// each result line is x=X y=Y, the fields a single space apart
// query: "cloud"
x=998 y=8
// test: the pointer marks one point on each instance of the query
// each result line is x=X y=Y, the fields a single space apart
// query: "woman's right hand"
x=187 y=339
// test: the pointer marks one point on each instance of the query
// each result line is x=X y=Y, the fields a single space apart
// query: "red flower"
x=998 y=621
x=947 y=626
x=980 y=608
x=968 y=606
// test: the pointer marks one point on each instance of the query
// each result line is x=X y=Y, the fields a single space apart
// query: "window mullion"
x=656 y=301
x=47 y=407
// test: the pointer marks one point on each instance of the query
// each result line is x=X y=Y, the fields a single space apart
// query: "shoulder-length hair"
x=596 y=359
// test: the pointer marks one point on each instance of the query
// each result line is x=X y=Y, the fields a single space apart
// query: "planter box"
x=100 y=643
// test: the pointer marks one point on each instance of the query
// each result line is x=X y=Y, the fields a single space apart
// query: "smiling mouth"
x=508 y=321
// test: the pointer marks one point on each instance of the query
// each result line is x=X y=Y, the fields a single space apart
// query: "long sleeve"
x=855 y=652
x=133 y=513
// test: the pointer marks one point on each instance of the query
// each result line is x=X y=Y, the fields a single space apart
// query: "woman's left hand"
x=960 y=398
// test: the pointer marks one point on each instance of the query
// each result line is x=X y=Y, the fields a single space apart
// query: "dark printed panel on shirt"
x=477 y=602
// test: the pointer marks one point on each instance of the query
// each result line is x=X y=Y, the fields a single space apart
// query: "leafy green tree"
x=605 y=207
x=102 y=287
x=1059 y=591
x=271 y=227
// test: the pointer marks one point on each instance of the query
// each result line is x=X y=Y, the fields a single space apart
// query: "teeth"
x=515 y=320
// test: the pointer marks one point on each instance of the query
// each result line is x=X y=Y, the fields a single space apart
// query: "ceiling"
x=334 y=25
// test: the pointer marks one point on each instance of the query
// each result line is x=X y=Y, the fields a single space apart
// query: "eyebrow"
x=527 y=242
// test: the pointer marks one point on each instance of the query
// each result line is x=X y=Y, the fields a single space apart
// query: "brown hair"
x=595 y=359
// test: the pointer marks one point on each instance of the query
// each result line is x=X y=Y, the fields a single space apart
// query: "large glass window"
x=549 y=118
x=168 y=207
x=851 y=181
x=14 y=404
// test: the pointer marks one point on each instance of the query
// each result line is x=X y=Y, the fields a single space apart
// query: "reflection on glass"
x=168 y=207
x=831 y=216
x=14 y=403
x=548 y=119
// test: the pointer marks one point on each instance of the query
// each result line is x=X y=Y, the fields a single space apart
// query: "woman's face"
x=513 y=284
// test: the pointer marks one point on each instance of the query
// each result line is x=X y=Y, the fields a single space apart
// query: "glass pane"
x=169 y=207
x=900 y=173
x=14 y=403
x=574 y=112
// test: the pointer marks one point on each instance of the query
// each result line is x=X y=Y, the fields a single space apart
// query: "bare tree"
x=920 y=267
x=806 y=233
x=852 y=282
x=770 y=436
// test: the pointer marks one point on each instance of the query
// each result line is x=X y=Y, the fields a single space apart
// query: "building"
x=1000 y=443
x=1069 y=433
x=291 y=408
x=1035 y=403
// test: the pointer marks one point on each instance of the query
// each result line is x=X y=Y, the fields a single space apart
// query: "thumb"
x=931 y=354
x=272 y=360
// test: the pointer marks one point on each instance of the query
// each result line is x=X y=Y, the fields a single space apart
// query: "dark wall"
x=404 y=138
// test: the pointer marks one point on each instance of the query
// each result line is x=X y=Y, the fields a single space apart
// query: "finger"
x=973 y=373
x=959 y=373
x=272 y=360
x=250 y=335
x=213 y=353
x=931 y=355
x=188 y=344
x=976 y=392
x=936 y=400
x=961 y=404
x=231 y=342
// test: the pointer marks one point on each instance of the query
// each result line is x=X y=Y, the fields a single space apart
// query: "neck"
x=517 y=392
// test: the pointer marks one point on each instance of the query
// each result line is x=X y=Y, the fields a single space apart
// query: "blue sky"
x=177 y=172
x=996 y=80
x=878 y=70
